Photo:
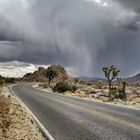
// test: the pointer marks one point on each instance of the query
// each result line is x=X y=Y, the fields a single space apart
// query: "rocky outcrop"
x=40 y=75
x=37 y=76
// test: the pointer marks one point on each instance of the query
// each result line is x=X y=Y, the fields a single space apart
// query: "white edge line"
x=40 y=125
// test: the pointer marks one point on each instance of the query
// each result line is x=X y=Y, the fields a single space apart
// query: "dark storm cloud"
x=74 y=33
x=132 y=8
x=130 y=4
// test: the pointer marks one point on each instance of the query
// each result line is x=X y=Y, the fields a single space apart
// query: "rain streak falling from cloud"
x=84 y=34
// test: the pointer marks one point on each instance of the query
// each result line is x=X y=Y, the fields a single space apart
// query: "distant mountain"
x=90 y=79
x=133 y=79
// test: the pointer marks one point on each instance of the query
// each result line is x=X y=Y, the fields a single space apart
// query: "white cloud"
x=100 y=3
x=17 y=69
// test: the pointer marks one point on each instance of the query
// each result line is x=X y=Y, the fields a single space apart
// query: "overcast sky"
x=83 y=34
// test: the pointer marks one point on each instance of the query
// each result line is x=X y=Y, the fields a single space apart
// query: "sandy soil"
x=15 y=122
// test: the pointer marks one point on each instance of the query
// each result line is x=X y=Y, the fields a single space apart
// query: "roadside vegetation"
x=6 y=80
x=111 y=89
x=63 y=87
x=111 y=74
x=55 y=78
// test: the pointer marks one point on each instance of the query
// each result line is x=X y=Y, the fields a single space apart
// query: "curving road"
x=69 y=118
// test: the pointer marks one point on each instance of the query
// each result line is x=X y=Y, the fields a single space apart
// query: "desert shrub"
x=45 y=85
x=89 y=84
x=122 y=94
x=9 y=80
x=76 y=80
x=99 y=84
x=82 y=82
x=62 y=87
x=136 y=85
x=74 y=88
x=105 y=87
x=117 y=93
x=107 y=100
x=1 y=82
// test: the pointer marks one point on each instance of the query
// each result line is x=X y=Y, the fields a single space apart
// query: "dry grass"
x=15 y=122
x=4 y=117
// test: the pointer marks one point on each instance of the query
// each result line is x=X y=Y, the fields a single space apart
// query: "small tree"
x=119 y=82
x=51 y=74
x=76 y=80
x=110 y=73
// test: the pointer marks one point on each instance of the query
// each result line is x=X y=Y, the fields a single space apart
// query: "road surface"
x=68 y=118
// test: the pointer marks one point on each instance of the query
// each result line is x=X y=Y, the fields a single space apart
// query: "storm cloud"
x=84 y=34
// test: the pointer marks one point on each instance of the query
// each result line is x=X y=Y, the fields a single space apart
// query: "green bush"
x=89 y=84
x=44 y=85
x=99 y=84
x=62 y=87
x=74 y=88
x=117 y=93
x=120 y=94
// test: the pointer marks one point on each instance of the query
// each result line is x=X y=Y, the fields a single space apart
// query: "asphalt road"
x=68 y=118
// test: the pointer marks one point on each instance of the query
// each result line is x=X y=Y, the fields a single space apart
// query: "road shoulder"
x=16 y=121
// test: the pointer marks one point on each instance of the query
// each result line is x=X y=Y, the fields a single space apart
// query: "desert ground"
x=15 y=122
x=99 y=92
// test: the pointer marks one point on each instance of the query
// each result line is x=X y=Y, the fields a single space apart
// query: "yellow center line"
x=101 y=115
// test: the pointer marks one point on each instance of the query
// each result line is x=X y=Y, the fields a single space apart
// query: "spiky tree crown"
x=50 y=73
x=111 y=72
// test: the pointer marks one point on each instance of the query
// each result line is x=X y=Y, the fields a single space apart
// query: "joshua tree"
x=124 y=88
x=110 y=73
x=119 y=82
x=76 y=80
x=51 y=74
